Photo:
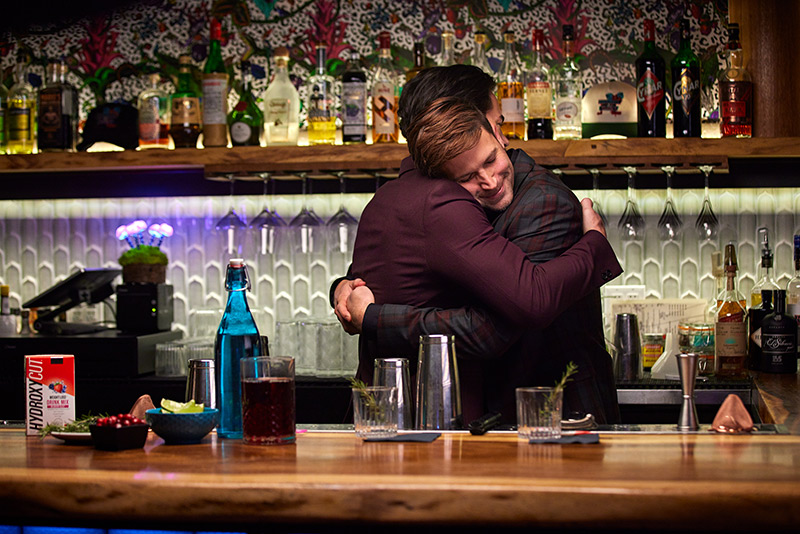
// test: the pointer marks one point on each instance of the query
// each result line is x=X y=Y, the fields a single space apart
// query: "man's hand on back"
x=340 y=296
x=591 y=220
x=357 y=303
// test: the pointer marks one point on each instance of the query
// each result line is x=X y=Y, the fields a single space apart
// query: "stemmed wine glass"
x=631 y=224
x=341 y=227
x=267 y=222
x=595 y=172
x=231 y=222
x=707 y=223
x=306 y=225
x=670 y=224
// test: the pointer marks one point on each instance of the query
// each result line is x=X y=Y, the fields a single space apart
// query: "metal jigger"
x=687 y=370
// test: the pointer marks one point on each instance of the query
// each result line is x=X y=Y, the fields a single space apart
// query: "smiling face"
x=485 y=171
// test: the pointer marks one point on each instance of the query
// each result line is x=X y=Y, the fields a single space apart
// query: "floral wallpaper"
x=108 y=53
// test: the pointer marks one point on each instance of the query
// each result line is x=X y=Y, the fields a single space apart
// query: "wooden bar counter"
x=328 y=481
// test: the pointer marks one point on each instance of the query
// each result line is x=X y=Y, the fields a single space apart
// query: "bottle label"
x=778 y=344
x=513 y=109
x=687 y=90
x=186 y=110
x=215 y=98
x=383 y=109
x=755 y=338
x=278 y=111
x=319 y=105
x=19 y=124
x=51 y=128
x=568 y=109
x=540 y=100
x=354 y=102
x=735 y=100
x=240 y=132
x=731 y=338
x=649 y=92
x=149 y=127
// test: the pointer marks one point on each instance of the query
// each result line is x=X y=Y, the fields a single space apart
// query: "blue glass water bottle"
x=237 y=338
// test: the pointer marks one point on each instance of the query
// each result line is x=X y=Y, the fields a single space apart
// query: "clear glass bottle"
x=57 y=128
x=755 y=318
x=185 y=119
x=419 y=61
x=765 y=280
x=237 y=338
x=567 y=92
x=730 y=339
x=511 y=91
x=685 y=68
x=153 y=105
x=384 y=95
x=793 y=288
x=735 y=91
x=478 y=58
x=539 y=93
x=246 y=121
x=21 y=118
x=779 y=339
x=718 y=273
x=354 y=101
x=651 y=76
x=3 y=113
x=281 y=104
x=321 y=105
x=215 y=92
x=448 y=56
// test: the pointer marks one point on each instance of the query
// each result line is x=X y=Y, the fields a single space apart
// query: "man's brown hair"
x=448 y=127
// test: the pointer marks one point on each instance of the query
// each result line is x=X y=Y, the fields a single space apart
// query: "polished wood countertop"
x=673 y=482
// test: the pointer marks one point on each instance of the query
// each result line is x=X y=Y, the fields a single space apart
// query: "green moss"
x=143 y=254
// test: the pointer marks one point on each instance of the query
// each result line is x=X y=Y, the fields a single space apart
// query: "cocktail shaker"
x=628 y=345
x=438 y=405
x=200 y=385
x=393 y=372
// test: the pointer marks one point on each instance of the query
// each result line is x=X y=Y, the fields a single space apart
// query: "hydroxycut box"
x=49 y=391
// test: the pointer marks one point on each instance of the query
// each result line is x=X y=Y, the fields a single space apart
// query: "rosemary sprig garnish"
x=566 y=377
x=371 y=403
x=77 y=426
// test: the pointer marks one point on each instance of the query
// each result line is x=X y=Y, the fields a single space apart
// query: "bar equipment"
x=438 y=405
x=200 y=384
x=670 y=224
x=707 y=223
x=687 y=371
x=631 y=225
x=394 y=372
x=628 y=344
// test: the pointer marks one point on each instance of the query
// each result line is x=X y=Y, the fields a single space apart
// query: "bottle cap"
x=538 y=38
x=4 y=291
x=649 y=29
x=730 y=258
x=508 y=37
x=216 y=30
x=236 y=262
x=480 y=36
x=185 y=59
x=566 y=31
x=384 y=40
x=281 y=51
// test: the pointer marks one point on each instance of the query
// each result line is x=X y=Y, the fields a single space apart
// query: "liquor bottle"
x=21 y=118
x=58 y=111
x=685 y=88
x=384 y=95
x=511 y=92
x=281 y=104
x=448 y=56
x=567 y=92
x=478 y=58
x=735 y=91
x=237 y=338
x=185 y=118
x=779 y=339
x=321 y=106
x=354 y=101
x=718 y=272
x=755 y=318
x=539 y=93
x=651 y=76
x=215 y=92
x=246 y=120
x=793 y=288
x=3 y=112
x=765 y=280
x=419 y=61
x=153 y=104
x=730 y=340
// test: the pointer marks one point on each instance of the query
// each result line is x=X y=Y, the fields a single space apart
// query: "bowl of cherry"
x=119 y=432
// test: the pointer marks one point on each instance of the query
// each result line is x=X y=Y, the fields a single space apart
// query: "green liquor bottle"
x=215 y=92
x=246 y=121
x=685 y=88
x=185 y=115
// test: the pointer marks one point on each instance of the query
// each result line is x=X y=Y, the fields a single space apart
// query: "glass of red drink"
x=268 y=405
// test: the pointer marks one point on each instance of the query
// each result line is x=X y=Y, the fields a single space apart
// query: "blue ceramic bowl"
x=178 y=428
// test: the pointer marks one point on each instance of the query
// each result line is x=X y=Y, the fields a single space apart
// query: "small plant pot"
x=144 y=273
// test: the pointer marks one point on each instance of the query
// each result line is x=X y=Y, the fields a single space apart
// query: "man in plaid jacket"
x=496 y=351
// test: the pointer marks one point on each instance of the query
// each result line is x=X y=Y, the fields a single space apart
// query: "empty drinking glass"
x=670 y=224
x=232 y=224
x=631 y=224
x=707 y=223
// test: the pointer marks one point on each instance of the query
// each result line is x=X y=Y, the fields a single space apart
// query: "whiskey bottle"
x=567 y=92
x=779 y=339
x=281 y=104
x=478 y=58
x=246 y=121
x=735 y=91
x=384 y=95
x=321 y=107
x=765 y=280
x=685 y=88
x=215 y=92
x=651 y=76
x=153 y=104
x=354 y=101
x=419 y=61
x=730 y=339
x=185 y=115
x=539 y=93
x=793 y=288
x=511 y=92
x=58 y=111
x=755 y=318
x=21 y=119
x=448 y=56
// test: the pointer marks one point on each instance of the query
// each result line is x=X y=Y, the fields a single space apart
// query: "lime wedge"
x=180 y=407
